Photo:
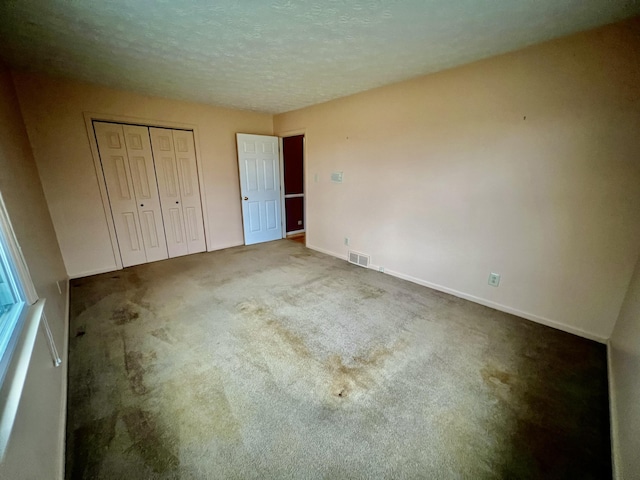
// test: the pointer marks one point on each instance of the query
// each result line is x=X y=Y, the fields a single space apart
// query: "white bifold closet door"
x=175 y=161
x=127 y=163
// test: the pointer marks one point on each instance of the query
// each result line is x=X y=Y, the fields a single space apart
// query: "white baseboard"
x=114 y=268
x=328 y=252
x=487 y=303
x=613 y=417
x=89 y=273
x=224 y=246
x=65 y=372
x=503 y=308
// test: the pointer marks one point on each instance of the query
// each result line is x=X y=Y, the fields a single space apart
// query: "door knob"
x=246 y=198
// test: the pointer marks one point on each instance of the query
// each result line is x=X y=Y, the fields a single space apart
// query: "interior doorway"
x=293 y=187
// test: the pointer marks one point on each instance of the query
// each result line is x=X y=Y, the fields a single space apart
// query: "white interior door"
x=259 y=169
x=145 y=187
x=189 y=190
x=117 y=174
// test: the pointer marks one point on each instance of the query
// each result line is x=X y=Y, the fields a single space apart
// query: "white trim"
x=291 y=133
x=487 y=303
x=89 y=118
x=13 y=383
x=106 y=207
x=225 y=246
x=281 y=136
x=613 y=418
x=62 y=429
x=327 y=252
x=89 y=273
x=283 y=210
x=503 y=308
x=208 y=238
x=98 y=271
x=18 y=263
x=51 y=343
x=305 y=182
x=294 y=232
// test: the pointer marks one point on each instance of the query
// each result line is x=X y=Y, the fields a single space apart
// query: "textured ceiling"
x=277 y=55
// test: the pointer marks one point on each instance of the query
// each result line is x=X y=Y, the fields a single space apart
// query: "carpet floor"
x=275 y=361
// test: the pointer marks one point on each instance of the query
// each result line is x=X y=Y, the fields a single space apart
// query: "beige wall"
x=527 y=164
x=53 y=112
x=624 y=369
x=35 y=448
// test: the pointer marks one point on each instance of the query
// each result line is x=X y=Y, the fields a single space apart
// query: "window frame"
x=25 y=316
x=12 y=321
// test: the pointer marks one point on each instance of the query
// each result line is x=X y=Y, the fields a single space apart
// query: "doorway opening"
x=293 y=187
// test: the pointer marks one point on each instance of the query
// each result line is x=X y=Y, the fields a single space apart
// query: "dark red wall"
x=293 y=174
x=293 y=151
x=295 y=212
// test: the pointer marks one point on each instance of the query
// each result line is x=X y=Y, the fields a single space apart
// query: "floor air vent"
x=359 y=259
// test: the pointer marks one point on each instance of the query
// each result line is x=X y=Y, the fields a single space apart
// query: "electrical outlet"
x=299 y=222
x=346 y=241
x=381 y=269
x=494 y=279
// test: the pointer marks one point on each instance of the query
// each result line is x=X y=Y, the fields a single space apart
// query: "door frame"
x=283 y=215
x=89 y=118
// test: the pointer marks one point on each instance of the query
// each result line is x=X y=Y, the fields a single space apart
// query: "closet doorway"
x=153 y=192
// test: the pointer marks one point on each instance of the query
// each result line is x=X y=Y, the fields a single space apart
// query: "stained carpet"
x=275 y=361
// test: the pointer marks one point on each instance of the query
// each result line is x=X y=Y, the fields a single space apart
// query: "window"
x=12 y=304
x=20 y=313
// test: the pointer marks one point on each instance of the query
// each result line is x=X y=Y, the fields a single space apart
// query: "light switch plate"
x=336 y=177
x=494 y=279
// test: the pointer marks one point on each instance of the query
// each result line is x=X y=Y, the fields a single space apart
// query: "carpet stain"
x=134 y=279
x=344 y=377
x=135 y=372
x=154 y=445
x=274 y=327
x=294 y=341
x=88 y=443
x=368 y=292
x=142 y=303
x=358 y=373
x=499 y=381
x=136 y=365
x=162 y=334
x=199 y=404
x=301 y=255
x=124 y=315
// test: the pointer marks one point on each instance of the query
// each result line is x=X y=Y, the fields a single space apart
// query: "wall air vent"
x=359 y=259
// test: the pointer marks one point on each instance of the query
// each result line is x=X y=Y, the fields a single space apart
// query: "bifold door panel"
x=155 y=202
x=169 y=188
x=146 y=191
x=137 y=218
x=175 y=158
x=189 y=190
